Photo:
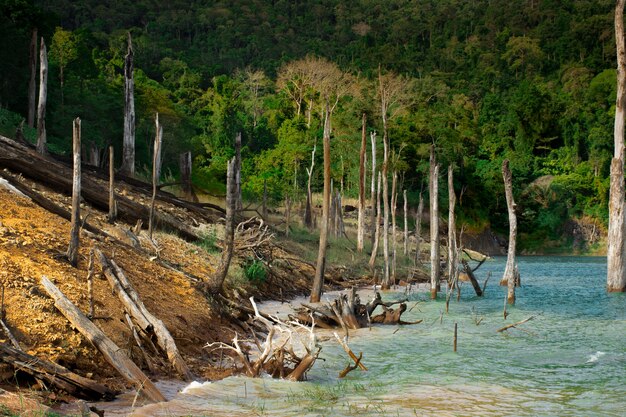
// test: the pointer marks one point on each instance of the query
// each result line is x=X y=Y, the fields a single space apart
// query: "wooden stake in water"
x=455 y=333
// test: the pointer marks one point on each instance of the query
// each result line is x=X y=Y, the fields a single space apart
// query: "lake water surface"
x=568 y=361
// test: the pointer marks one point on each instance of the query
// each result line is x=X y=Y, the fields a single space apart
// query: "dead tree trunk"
x=55 y=375
x=386 y=275
x=238 y=198
x=434 y=225
x=406 y=224
x=112 y=353
x=94 y=155
x=616 y=258
x=185 y=177
x=72 y=250
x=373 y=198
x=453 y=263
x=32 y=84
x=43 y=96
x=361 y=216
x=394 y=229
x=418 y=230
x=150 y=325
x=265 y=199
x=318 y=280
x=217 y=280
x=112 y=202
x=156 y=162
x=128 y=152
x=375 y=245
x=510 y=269
x=287 y=214
x=308 y=210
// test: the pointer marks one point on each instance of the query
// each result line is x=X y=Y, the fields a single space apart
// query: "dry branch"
x=112 y=353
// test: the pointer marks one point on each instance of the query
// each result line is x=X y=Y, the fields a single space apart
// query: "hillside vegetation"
x=531 y=81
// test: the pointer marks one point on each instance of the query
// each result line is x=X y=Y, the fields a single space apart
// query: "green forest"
x=526 y=80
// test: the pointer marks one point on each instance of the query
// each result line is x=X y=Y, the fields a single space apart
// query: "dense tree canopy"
x=525 y=80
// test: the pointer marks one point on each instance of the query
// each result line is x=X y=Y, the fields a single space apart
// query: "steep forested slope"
x=528 y=80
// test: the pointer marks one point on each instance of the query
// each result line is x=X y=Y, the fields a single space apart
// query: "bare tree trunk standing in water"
x=72 y=250
x=510 y=272
x=616 y=258
x=453 y=269
x=128 y=151
x=156 y=163
x=372 y=261
x=43 y=95
x=406 y=224
x=434 y=225
x=32 y=85
x=394 y=229
x=361 y=219
x=318 y=280
x=418 y=230
x=308 y=210
x=373 y=199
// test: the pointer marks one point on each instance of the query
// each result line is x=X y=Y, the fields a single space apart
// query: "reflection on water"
x=568 y=361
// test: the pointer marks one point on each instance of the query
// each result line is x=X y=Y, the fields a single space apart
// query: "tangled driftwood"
x=348 y=312
x=276 y=356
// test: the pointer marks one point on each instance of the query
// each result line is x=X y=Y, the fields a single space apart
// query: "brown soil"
x=32 y=244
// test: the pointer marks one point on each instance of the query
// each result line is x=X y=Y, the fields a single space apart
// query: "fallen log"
x=111 y=352
x=147 y=322
x=46 y=203
x=58 y=176
x=55 y=375
x=507 y=327
x=472 y=278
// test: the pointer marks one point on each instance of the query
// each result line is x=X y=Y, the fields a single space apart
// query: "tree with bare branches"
x=331 y=84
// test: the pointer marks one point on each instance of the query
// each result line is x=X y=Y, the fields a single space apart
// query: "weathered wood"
x=320 y=266
x=509 y=272
x=216 y=281
x=394 y=228
x=453 y=264
x=470 y=276
x=373 y=198
x=372 y=261
x=350 y=353
x=386 y=282
x=112 y=200
x=406 y=223
x=131 y=308
x=185 y=177
x=92 y=312
x=128 y=146
x=308 y=209
x=57 y=176
x=360 y=235
x=616 y=256
x=434 y=224
x=7 y=331
x=112 y=353
x=163 y=337
x=55 y=375
x=44 y=202
x=156 y=162
x=238 y=199
x=72 y=250
x=32 y=84
x=43 y=96
x=287 y=214
x=500 y=330
x=418 y=230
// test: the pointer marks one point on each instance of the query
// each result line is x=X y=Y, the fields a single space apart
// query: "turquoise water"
x=568 y=361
